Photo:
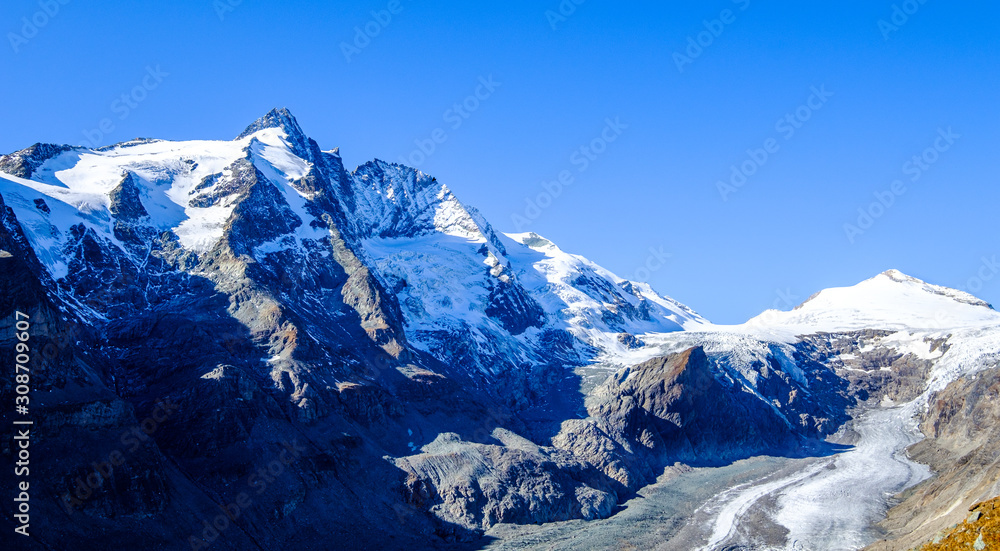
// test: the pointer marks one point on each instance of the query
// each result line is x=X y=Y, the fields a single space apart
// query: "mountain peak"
x=280 y=118
x=890 y=300
x=954 y=294
x=25 y=162
x=898 y=276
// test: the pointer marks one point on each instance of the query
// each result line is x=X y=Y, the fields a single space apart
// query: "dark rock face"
x=967 y=412
x=24 y=163
x=262 y=214
x=101 y=394
x=511 y=306
x=126 y=204
x=629 y=340
x=103 y=472
x=127 y=207
x=379 y=311
x=693 y=414
x=877 y=372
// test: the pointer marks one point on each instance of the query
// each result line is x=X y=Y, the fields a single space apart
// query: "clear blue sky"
x=654 y=186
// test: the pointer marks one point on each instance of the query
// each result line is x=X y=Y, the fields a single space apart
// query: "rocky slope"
x=980 y=530
x=961 y=425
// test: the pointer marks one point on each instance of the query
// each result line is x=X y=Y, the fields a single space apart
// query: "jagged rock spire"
x=126 y=203
x=276 y=118
x=283 y=119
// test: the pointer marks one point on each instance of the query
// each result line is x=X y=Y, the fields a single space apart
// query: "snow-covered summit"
x=955 y=294
x=273 y=197
x=280 y=119
x=891 y=300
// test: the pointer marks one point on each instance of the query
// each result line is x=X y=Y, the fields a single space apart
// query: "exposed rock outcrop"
x=24 y=163
x=673 y=409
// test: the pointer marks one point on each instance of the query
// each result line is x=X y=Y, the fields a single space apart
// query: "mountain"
x=259 y=286
x=894 y=341
x=320 y=353
x=271 y=195
x=890 y=300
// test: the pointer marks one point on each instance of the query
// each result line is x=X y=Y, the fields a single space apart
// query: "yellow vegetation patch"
x=979 y=532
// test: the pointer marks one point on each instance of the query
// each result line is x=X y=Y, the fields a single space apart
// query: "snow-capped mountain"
x=266 y=289
x=439 y=376
x=890 y=300
x=893 y=351
x=913 y=314
x=896 y=314
x=516 y=300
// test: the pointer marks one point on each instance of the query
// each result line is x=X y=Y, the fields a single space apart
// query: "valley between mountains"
x=245 y=345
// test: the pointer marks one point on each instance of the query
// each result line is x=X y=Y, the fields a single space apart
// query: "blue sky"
x=680 y=120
